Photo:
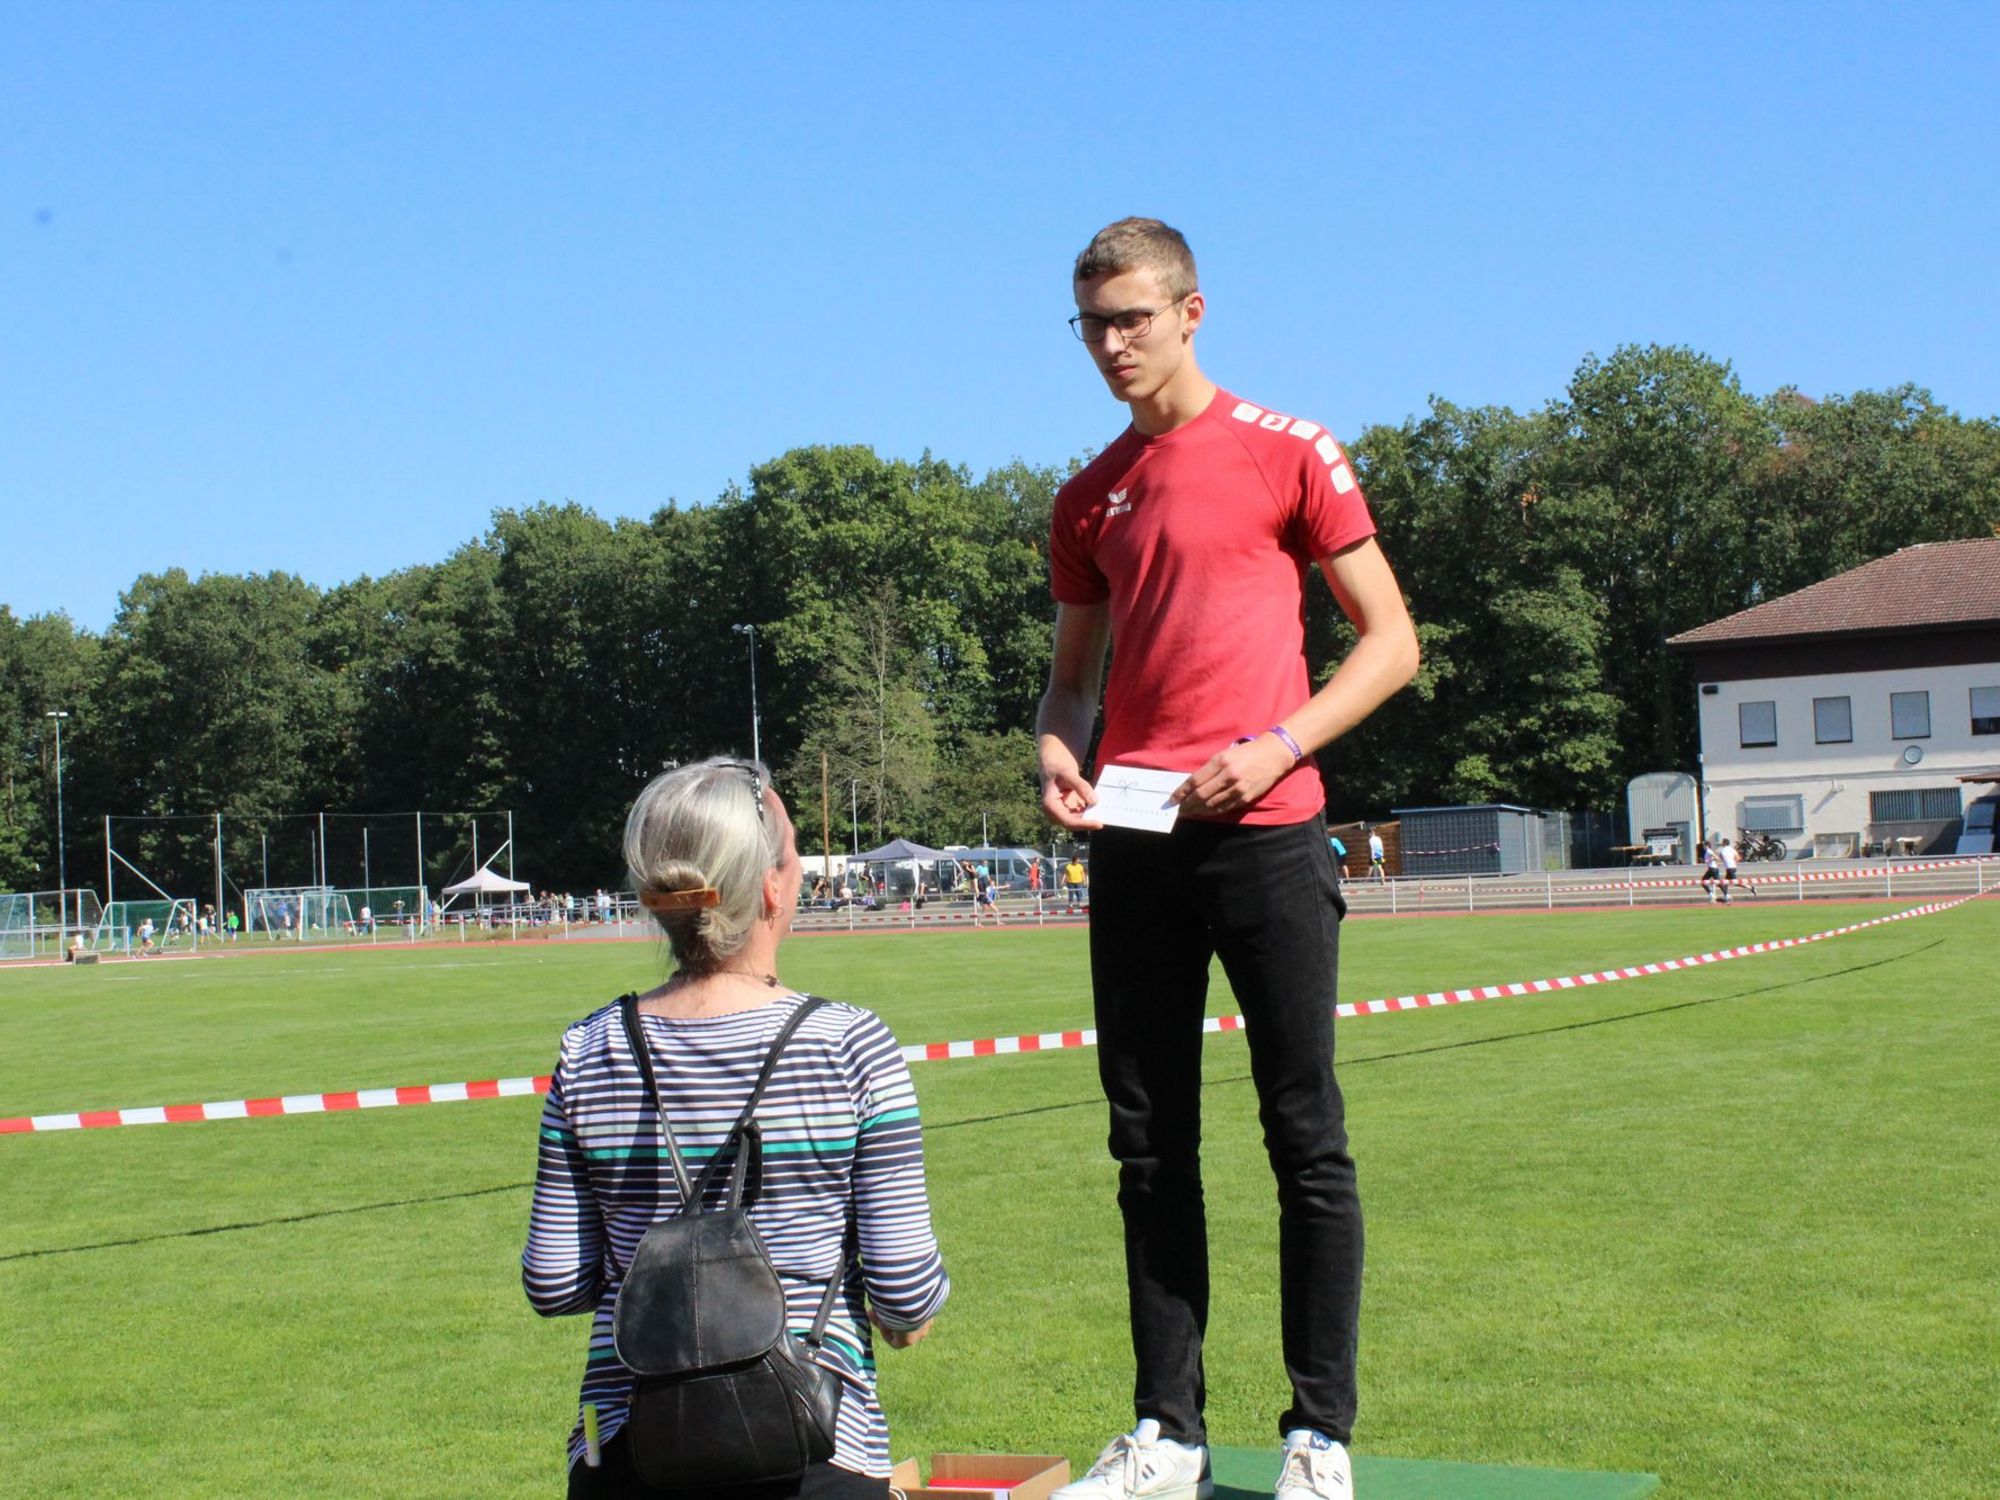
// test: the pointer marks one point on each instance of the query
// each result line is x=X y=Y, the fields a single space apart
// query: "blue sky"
x=319 y=287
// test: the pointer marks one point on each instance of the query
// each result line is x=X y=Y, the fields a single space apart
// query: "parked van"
x=1009 y=867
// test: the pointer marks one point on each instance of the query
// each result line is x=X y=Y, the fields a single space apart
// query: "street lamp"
x=756 y=747
x=62 y=862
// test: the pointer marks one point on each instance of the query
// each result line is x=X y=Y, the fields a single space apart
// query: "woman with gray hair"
x=712 y=853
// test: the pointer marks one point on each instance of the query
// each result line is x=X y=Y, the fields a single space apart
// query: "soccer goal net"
x=146 y=927
x=17 y=926
x=39 y=924
x=387 y=909
x=301 y=913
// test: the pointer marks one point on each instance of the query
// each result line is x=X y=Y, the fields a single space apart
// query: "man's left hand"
x=1236 y=779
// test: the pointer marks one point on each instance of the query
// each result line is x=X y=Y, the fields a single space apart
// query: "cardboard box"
x=983 y=1476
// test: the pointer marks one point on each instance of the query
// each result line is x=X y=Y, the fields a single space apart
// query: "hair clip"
x=668 y=901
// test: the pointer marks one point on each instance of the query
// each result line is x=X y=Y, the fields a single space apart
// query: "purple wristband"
x=1290 y=743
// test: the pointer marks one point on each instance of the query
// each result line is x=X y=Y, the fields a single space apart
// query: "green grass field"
x=1736 y=1225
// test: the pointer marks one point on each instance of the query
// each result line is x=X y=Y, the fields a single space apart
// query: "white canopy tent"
x=486 y=881
x=898 y=853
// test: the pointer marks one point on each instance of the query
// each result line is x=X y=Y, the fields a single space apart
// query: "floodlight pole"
x=756 y=748
x=62 y=862
x=854 y=811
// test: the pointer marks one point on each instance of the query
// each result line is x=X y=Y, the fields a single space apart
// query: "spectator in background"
x=1076 y=885
x=1727 y=852
x=1378 y=868
x=984 y=898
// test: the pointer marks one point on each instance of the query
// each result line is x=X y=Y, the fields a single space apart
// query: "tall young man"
x=1188 y=542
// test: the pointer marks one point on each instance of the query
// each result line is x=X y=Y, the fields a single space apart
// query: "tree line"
x=902 y=625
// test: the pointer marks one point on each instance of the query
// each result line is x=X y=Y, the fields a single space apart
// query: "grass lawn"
x=1737 y=1225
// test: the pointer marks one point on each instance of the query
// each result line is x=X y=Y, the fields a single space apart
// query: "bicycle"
x=1759 y=845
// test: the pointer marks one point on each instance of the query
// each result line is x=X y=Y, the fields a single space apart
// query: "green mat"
x=1249 y=1473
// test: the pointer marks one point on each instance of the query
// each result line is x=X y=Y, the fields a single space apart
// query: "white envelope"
x=1136 y=797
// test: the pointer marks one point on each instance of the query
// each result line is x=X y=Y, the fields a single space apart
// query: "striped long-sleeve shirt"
x=840 y=1129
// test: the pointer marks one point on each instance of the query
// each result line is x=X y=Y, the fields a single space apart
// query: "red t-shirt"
x=1201 y=538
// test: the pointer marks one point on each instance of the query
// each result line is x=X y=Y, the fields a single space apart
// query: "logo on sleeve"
x=1338 y=469
x=1115 y=503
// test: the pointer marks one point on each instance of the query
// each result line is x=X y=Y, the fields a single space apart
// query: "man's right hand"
x=1067 y=798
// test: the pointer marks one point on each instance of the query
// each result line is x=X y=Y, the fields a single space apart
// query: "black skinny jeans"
x=1265 y=900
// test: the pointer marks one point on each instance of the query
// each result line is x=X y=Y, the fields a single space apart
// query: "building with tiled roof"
x=1841 y=717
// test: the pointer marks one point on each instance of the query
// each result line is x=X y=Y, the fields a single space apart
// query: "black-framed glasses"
x=1132 y=324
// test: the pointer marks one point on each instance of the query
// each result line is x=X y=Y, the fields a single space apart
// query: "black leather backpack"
x=725 y=1393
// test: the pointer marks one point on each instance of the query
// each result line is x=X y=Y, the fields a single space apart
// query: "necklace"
x=770 y=981
x=698 y=1006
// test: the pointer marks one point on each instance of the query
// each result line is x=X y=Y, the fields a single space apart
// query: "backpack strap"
x=628 y=1009
x=850 y=1253
x=743 y=1131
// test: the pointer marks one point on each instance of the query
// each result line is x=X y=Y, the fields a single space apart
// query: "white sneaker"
x=1142 y=1465
x=1316 y=1468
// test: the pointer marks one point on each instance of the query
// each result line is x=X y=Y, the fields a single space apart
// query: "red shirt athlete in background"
x=1188 y=543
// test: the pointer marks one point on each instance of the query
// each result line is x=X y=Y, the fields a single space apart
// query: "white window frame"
x=1772 y=814
x=1899 y=706
x=1987 y=698
x=1935 y=796
x=1743 y=726
x=1846 y=708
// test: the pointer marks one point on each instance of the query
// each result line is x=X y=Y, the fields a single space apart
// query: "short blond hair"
x=1140 y=245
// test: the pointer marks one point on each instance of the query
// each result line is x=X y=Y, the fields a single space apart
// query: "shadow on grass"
x=1094 y=1102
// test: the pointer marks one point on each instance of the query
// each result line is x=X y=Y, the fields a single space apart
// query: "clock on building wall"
x=1912 y=754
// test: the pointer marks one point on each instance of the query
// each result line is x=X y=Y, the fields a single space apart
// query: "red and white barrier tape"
x=288 y=1104
x=1752 y=874
x=1047 y=1041
x=1050 y=1041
